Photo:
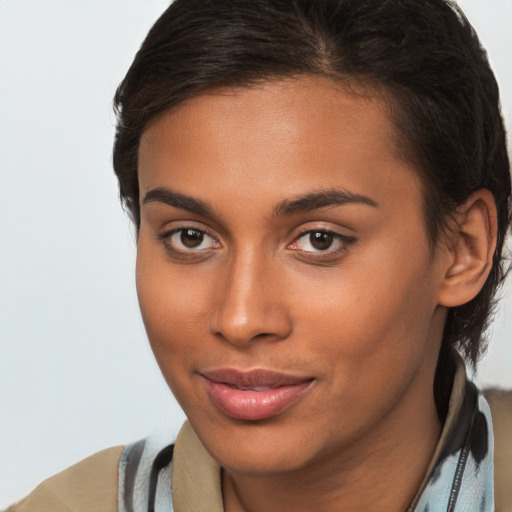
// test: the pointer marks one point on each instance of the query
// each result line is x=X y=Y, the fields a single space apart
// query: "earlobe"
x=471 y=245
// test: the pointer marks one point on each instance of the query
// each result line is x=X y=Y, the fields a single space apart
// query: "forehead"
x=306 y=132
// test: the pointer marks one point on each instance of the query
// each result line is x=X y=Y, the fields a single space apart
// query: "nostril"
x=243 y=333
x=263 y=335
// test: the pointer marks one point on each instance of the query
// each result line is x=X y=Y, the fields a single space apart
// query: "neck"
x=380 y=471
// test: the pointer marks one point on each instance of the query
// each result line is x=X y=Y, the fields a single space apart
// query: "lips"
x=253 y=395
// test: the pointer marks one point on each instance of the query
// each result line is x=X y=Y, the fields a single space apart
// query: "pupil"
x=321 y=240
x=191 y=237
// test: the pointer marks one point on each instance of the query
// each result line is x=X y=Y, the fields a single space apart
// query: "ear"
x=471 y=243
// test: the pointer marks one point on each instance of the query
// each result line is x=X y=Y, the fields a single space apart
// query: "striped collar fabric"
x=155 y=476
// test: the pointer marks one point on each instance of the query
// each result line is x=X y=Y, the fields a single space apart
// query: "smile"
x=254 y=395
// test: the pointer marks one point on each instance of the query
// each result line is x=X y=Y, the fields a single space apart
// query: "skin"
x=362 y=318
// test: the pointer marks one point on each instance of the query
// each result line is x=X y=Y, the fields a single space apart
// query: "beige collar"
x=196 y=481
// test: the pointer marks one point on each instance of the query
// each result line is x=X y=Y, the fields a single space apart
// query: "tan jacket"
x=91 y=485
x=501 y=408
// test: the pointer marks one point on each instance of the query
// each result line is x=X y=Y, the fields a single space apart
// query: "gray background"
x=76 y=373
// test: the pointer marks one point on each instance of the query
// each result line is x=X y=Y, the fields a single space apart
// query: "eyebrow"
x=321 y=199
x=305 y=203
x=182 y=201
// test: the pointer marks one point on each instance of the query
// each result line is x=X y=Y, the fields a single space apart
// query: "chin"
x=263 y=448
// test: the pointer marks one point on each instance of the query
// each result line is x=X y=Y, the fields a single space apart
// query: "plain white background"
x=76 y=372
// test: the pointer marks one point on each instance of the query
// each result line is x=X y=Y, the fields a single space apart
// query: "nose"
x=250 y=303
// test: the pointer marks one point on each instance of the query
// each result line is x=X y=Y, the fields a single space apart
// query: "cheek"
x=172 y=325
x=366 y=308
x=373 y=325
x=173 y=306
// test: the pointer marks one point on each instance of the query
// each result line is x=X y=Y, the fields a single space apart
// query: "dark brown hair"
x=423 y=53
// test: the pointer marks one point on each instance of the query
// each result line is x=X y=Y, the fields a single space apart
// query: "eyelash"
x=344 y=242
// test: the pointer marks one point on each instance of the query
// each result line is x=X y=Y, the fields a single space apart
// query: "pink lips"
x=254 y=395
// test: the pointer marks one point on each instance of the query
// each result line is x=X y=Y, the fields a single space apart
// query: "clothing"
x=501 y=409
x=90 y=485
x=183 y=477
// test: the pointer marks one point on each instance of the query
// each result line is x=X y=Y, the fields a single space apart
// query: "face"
x=284 y=273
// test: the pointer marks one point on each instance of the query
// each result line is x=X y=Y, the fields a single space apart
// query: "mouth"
x=253 y=395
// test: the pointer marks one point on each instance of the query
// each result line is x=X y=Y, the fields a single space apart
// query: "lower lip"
x=254 y=405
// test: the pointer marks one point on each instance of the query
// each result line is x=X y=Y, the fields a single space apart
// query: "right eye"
x=188 y=241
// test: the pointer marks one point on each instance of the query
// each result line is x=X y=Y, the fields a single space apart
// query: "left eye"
x=320 y=241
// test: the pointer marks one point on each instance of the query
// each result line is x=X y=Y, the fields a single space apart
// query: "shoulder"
x=91 y=484
x=500 y=402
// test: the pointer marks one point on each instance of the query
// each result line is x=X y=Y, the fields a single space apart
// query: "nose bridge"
x=248 y=304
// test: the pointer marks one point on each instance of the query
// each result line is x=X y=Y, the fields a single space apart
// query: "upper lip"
x=253 y=378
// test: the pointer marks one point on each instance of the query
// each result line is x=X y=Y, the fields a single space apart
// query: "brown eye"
x=191 y=238
x=188 y=241
x=321 y=240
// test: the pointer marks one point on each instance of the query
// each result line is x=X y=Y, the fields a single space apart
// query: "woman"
x=321 y=193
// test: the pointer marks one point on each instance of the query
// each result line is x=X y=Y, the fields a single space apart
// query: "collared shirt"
x=158 y=477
